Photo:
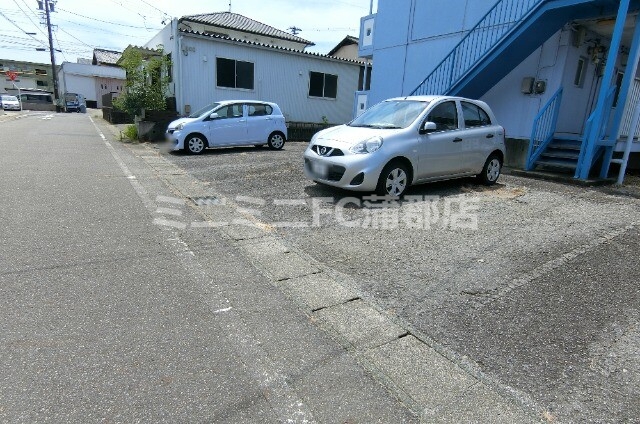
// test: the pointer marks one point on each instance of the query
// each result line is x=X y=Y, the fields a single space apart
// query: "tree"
x=147 y=81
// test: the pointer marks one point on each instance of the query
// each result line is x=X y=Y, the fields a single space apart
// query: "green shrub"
x=131 y=132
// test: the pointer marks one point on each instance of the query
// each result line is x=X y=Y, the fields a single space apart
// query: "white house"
x=225 y=55
x=92 y=81
x=561 y=75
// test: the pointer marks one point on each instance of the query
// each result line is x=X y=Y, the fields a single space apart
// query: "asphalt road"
x=109 y=314
x=542 y=296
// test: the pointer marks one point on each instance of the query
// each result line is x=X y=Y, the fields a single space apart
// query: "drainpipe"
x=177 y=78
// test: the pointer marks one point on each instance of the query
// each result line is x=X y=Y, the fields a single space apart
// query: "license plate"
x=320 y=169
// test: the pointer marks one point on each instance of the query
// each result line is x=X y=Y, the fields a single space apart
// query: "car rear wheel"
x=276 y=141
x=394 y=180
x=491 y=170
x=195 y=144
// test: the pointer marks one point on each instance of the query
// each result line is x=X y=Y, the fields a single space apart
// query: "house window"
x=361 y=79
x=323 y=85
x=42 y=83
x=581 y=71
x=234 y=73
x=41 y=71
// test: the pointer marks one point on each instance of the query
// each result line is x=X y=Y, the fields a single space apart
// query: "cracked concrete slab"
x=360 y=325
x=316 y=291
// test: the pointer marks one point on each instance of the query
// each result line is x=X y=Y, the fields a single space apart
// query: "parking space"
x=518 y=276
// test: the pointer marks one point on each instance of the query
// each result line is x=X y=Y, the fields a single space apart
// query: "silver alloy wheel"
x=195 y=145
x=276 y=141
x=493 y=170
x=396 y=182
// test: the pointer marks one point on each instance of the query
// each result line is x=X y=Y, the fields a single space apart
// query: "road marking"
x=166 y=199
x=223 y=310
x=282 y=398
x=169 y=211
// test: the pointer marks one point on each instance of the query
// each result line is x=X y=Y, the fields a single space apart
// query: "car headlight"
x=369 y=145
x=180 y=126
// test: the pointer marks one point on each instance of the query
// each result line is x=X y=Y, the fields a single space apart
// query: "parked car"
x=409 y=140
x=229 y=123
x=74 y=102
x=10 y=102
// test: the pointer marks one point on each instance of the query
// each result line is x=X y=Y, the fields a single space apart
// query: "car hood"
x=347 y=135
x=10 y=102
x=177 y=122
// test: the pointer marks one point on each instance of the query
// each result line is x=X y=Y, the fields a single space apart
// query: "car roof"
x=226 y=102
x=431 y=98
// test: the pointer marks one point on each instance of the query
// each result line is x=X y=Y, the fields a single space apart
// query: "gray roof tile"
x=242 y=23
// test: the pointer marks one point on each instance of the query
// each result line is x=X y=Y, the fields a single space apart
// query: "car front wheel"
x=394 y=180
x=276 y=141
x=195 y=144
x=491 y=170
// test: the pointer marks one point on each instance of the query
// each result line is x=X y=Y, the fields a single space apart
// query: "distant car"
x=74 y=102
x=409 y=140
x=10 y=102
x=229 y=123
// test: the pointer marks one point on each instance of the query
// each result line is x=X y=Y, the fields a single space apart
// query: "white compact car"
x=10 y=102
x=229 y=123
x=409 y=140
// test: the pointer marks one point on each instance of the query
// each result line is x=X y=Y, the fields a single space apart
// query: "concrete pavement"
x=109 y=312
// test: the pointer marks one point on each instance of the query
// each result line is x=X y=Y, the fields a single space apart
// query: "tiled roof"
x=109 y=57
x=348 y=40
x=242 y=23
x=286 y=49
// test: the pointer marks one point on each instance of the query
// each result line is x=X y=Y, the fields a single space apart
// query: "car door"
x=230 y=127
x=260 y=123
x=441 y=151
x=478 y=134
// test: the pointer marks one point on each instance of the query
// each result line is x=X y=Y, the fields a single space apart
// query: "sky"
x=82 y=25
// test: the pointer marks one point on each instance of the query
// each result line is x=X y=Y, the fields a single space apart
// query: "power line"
x=108 y=22
x=57 y=41
x=28 y=17
x=21 y=30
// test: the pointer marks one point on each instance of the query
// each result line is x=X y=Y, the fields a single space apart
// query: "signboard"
x=12 y=75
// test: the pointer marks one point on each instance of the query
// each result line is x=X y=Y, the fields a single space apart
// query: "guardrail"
x=477 y=43
x=544 y=126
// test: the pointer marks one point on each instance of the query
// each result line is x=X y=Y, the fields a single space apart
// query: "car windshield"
x=204 y=111
x=71 y=97
x=391 y=114
x=10 y=98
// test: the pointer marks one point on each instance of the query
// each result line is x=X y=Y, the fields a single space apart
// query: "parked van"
x=74 y=103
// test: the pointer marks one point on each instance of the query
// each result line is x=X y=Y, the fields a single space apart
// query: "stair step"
x=557 y=163
x=560 y=154
x=565 y=145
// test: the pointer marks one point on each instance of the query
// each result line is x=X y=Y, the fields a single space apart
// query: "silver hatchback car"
x=409 y=140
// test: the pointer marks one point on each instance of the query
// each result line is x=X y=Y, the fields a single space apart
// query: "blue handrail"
x=544 y=127
x=587 y=154
x=479 y=41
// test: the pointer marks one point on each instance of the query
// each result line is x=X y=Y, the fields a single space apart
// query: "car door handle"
x=242 y=120
x=457 y=140
x=490 y=135
x=269 y=119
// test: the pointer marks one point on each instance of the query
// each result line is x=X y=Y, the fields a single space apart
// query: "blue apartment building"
x=561 y=75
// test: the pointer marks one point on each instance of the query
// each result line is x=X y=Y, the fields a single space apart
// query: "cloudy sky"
x=114 y=24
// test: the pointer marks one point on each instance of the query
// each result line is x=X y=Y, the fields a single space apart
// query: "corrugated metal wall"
x=280 y=76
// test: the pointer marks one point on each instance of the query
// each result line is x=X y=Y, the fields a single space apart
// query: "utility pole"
x=54 y=72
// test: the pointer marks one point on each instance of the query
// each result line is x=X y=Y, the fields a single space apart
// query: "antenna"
x=294 y=30
x=229 y=6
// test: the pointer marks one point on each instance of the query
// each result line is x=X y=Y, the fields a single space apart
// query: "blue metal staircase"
x=507 y=34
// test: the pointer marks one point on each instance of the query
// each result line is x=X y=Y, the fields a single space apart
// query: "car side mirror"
x=428 y=127
x=214 y=115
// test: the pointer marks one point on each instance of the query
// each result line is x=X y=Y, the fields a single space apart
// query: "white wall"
x=279 y=76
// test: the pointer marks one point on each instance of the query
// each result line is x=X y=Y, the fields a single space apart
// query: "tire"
x=195 y=144
x=276 y=141
x=491 y=170
x=394 y=180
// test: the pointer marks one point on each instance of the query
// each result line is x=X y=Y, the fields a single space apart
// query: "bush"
x=131 y=132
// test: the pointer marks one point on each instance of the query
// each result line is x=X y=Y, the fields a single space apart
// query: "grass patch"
x=130 y=134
